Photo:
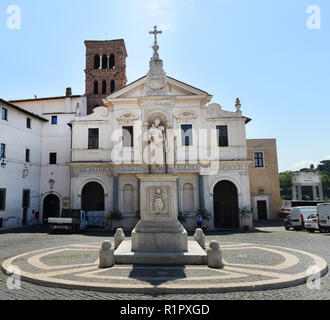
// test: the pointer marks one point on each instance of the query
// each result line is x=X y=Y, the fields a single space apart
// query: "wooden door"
x=262 y=210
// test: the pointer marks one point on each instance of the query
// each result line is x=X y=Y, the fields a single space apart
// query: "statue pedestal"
x=159 y=238
x=159 y=229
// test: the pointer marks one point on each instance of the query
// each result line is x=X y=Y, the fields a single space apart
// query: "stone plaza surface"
x=247 y=267
x=23 y=241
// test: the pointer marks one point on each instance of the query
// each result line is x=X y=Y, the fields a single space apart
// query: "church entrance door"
x=225 y=205
x=51 y=207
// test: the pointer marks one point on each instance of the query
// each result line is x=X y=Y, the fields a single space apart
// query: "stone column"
x=299 y=192
x=108 y=62
x=115 y=193
x=139 y=188
x=294 y=192
x=321 y=192
x=315 y=197
x=201 y=192
x=101 y=61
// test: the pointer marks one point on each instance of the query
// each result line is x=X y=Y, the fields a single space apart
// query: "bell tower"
x=105 y=70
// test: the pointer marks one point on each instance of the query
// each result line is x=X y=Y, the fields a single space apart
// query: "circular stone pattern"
x=247 y=267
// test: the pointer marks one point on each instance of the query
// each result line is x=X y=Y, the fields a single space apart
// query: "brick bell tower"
x=105 y=70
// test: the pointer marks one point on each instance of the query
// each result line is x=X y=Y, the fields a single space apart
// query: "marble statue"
x=157 y=139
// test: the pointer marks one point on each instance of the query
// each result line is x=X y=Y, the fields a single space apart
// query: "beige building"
x=264 y=179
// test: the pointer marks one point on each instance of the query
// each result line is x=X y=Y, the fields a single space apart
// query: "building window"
x=4 y=114
x=3 y=151
x=112 y=86
x=258 y=160
x=28 y=123
x=2 y=199
x=222 y=132
x=53 y=158
x=104 y=62
x=27 y=155
x=186 y=134
x=96 y=87
x=112 y=61
x=93 y=138
x=54 y=120
x=128 y=137
x=104 y=87
x=26 y=199
x=1 y=223
x=97 y=62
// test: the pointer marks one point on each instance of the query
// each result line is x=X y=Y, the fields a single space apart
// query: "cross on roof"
x=155 y=33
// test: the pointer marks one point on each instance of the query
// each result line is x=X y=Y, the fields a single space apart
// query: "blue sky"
x=260 y=51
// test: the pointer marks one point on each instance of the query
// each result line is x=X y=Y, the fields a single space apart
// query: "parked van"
x=323 y=211
x=298 y=216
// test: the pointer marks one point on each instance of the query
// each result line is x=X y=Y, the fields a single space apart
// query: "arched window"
x=104 y=61
x=96 y=87
x=188 y=197
x=112 y=62
x=128 y=197
x=104 y=87
x=112 y=86
x=97 y=62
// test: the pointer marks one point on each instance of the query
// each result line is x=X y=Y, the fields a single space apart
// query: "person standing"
x=199 y=220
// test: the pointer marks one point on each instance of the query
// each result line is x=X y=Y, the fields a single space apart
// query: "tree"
x=286 y=183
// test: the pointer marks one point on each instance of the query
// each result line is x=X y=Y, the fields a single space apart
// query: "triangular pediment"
x=137 y=89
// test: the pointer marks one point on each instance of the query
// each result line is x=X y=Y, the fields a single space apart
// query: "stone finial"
x=238 y=105
x=214 y=255
x=200 y=237
x=119 y=237
x=106 y=255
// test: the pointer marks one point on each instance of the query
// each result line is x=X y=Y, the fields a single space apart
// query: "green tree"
x=286 y=183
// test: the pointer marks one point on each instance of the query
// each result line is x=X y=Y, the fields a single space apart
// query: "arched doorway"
x=92 y=197
x=225 y=205
x=51 y=207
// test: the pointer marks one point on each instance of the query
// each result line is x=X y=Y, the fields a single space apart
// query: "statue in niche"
x=158 y=143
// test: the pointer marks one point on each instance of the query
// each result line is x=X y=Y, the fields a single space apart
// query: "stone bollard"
x=200 y=237
x=214 y=255
x=106 y=255
x=119 y=237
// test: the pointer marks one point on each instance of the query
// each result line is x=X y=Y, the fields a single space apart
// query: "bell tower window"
x=112 y=61
x=112 y=85
x=96 y=87
x=96 y=61
x=104 y=87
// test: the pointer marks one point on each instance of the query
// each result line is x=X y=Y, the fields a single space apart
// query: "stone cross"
x=155 y=46
x=155 y=33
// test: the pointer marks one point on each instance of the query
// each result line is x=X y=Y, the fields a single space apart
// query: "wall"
x=18 y=138
x=264 y=182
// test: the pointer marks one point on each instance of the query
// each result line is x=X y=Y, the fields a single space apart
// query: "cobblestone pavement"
x=34 y=238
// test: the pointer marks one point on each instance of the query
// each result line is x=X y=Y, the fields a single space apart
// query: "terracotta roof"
x=22 y=110
x=46 y=98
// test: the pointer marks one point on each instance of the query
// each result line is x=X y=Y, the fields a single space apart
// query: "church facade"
x=155 y=125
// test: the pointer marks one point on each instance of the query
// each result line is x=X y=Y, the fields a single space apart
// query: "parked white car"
x=298 y=216
x=312 y=223
x=323 y=211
